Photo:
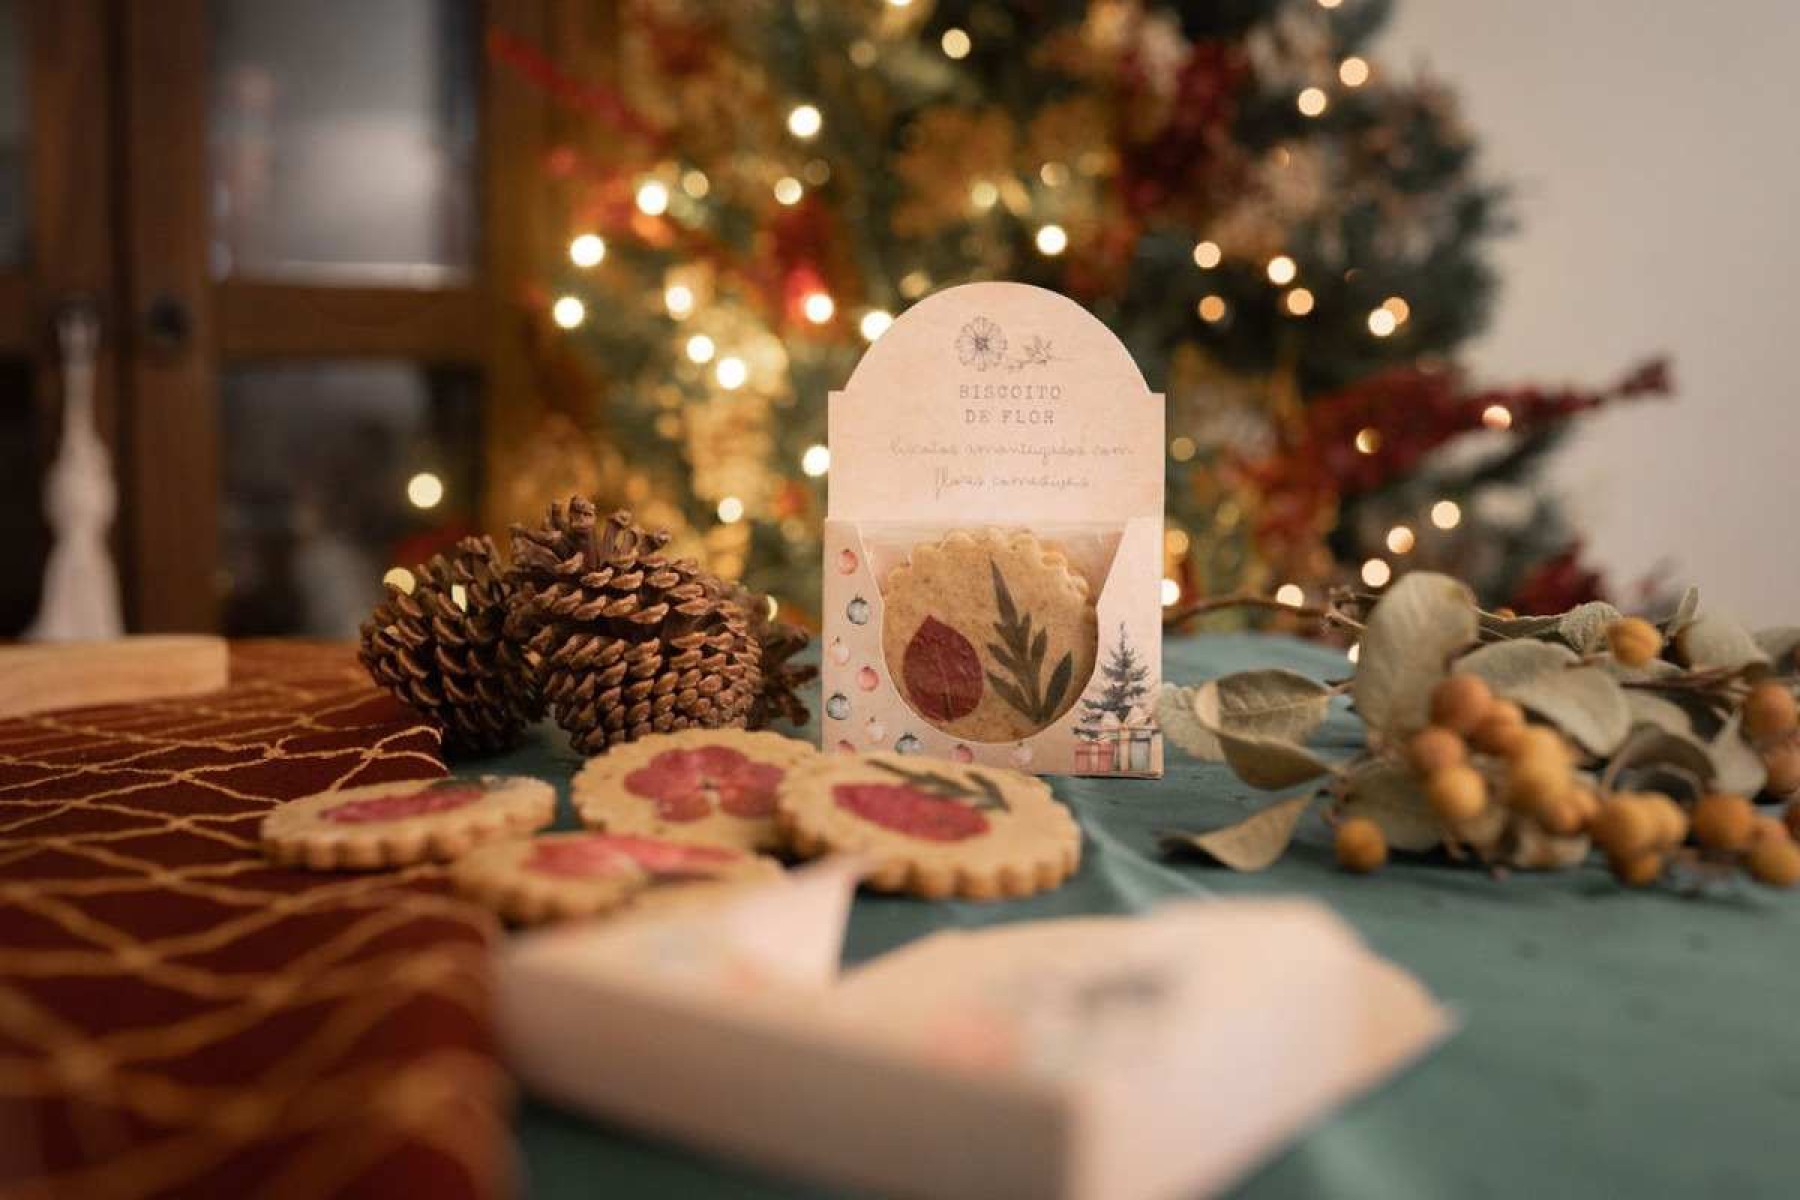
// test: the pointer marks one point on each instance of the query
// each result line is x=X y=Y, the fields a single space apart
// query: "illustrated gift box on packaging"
x=993 y=543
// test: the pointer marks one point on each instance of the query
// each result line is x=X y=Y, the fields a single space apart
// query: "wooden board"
x=35 y=679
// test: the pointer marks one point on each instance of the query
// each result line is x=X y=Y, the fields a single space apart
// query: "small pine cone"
x=441 y=649
x=625 y=641
x=779 y=697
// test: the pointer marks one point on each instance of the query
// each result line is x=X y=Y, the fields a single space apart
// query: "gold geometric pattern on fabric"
x=178 y=1017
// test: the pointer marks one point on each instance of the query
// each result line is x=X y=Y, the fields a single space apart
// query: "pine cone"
x=441 y=649
x=779 y=697
x=623 y=640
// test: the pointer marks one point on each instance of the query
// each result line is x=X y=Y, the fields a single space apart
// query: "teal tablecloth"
x=1616 y=1043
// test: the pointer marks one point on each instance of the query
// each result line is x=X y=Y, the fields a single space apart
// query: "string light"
x=700 y=349
x=653 y=198
x=816 y=172
x=568 y=312
x=1355 y=651
x=899 y=3
x=1176 y=542
x=679 y=298
x=459 y=596
x=424 y=490
x=1282 y=269
x=1446 y=514
x=984 y=195
x=1052 y=240
x=1400 y=309
x=1182 y=448
x=1207 y=255
x=874 y=323
x=816 y=461
x=956 y=43
x=1290 y=594
x=1353 y=71
x=1329 y=3
x=804 y=121
x=788 y=190
x=1171 y=593
x=1368 y=440
x=863 y=52
x=731 y=510
x=1382 y=322
x=913 y=284
x=818 y=307
x=1211 y=309
x=1311 y=101
x=587 y=250
x=1299 y=302
x=1400 y=539
x=731 y=372
x=1497 y=416
x=401 y=578
x=1376 y=572
x=1054 y=174
x=774 y=606
x=695 y=183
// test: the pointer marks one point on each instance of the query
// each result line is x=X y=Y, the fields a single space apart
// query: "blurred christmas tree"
x=1288 y=238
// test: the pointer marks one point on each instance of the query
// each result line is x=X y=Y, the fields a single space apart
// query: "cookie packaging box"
x=1090 y=1058
x=993 y=541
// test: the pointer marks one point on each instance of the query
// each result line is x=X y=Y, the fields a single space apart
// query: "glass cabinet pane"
x=333 y=474
x=15 y=124
x=343 y=137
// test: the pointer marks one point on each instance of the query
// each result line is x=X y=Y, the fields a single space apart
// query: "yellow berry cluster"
x=1485 y=771
x=1768 y=721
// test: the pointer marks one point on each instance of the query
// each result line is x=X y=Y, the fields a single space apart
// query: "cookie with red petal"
x=395 y=824
x=933 y=829
x=713 y=787
x=561 y=875
x=990 y=635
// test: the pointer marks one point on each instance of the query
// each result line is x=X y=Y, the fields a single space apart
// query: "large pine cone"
x=441 y=649
x=625 y=641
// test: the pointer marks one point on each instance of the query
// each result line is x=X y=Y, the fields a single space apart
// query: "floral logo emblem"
x=981 y=344
x=685 y=784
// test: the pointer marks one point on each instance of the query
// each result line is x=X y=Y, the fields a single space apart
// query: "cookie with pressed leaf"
x=562 y=875
x=933 y=829
x=990 y=635
x=395 y=824
x=712 y=787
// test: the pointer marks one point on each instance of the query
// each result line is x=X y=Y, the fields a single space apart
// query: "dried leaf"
x=1586 y=703
x=1272 y=703
x=1389 y=795
x=1411 y=634
x=1584 y=626
x=1253 y=843
x=942 y=672
x=1175 y=713
x=1651 y=746
x=1059 y=685
x=1737 y=768
x=1715 y=641
x=1260 y=761
x=1504 y=665
x=1519 y=627
x=1535 y=850
x=1685 y=612
x=1652 y=710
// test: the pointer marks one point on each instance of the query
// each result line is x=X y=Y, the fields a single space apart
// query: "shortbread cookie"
x=393 y=824
x=561 y=875
x=933 y=829
x=990 y=635
x=713 y=787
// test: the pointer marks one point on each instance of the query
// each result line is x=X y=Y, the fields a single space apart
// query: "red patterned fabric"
x=179 y=1018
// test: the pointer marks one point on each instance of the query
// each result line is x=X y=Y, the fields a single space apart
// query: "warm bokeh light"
x=788 y=190
x=1290 y=594
x=653 y=198
x=1446 y=514
x=700 y=349
x=587 y=250
x=1182 y=448
x=874 y=323
x=1382 y=322
x=424 y=490
x=956 y=43
x=1054 y=174
x=568 y=312
x=1207 y=255
x=1353 y=71
x=1176 y=542
x=1052 y=240
x=983 y=194
x=1400 y=539
x=695 y=183
x=1376 y=573
x=1398 y=307
x=401 y=578
x=731 y=373
x=1312 y=101
x=1171 y=593
x=679 y=298
x=1354 y=653
x=818 y=307
x=1282 y=269
x=1368 y=440
x=731 y=509
x=1299 y=302
x=805 y=121
x=816 y=461
x=1497 y=416
x=1211 y=309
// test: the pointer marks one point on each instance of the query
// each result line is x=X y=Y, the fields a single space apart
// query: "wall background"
x=1656 y=167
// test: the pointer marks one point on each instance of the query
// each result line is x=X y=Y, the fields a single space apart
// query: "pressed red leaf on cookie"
x=398 y=806
x=683 y=784
x=942 y=672
x=912 y=812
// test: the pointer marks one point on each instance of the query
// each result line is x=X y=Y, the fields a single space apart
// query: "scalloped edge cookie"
x=623 y=874
x=604 y=800
x=951 y=582
x=375 y=826
x=1002 y=834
